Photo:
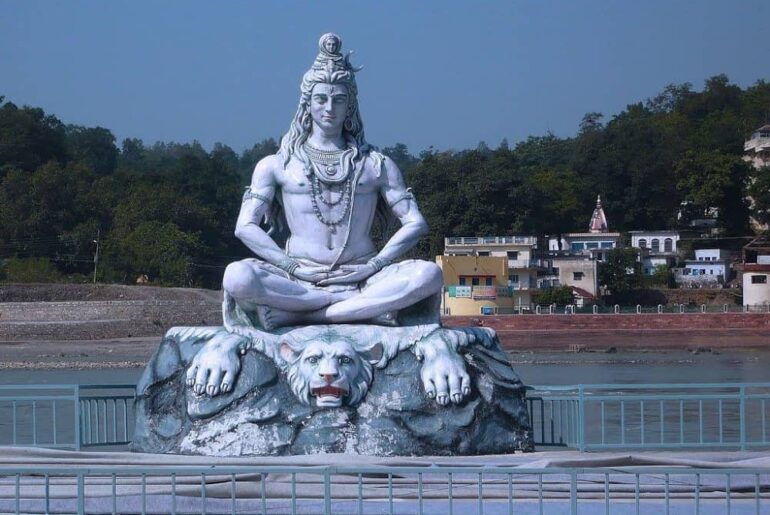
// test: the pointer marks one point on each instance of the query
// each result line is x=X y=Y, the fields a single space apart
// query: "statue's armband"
x=263 y=197
x=406 y=195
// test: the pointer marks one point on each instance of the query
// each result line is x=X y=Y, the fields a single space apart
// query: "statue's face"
x=328 y=106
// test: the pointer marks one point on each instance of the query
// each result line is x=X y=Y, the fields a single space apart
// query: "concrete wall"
x=600 y=333
x=644 y=321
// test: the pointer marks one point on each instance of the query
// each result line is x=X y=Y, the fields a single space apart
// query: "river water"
x=534 y=368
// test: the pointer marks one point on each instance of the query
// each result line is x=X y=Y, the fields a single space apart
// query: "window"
x=475 y=281
x=642 y=243
x=668 y=245
x=512 y=254
x=607 y=244
x=656 y=245
x=758 y=279
x=513 y=278
x=462 y=281
x=577 y=276
x=487 y=281
x=577 y=246
x=592 y=245
x=483 y=253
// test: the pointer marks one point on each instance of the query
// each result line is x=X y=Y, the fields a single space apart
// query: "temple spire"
x=598 y=221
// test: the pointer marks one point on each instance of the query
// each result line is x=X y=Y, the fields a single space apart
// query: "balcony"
x=490 y=240
x=526 y=263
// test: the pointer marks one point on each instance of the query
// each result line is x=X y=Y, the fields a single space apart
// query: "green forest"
x=167 y=210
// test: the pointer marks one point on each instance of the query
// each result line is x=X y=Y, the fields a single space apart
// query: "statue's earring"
x=307 y=122
x=348 y=125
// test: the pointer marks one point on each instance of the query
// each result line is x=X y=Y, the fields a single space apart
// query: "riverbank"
x=114 y=326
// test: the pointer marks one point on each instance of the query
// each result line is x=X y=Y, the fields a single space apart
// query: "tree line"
x=167 y=210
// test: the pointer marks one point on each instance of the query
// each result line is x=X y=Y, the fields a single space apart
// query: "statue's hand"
x=311 y=274
x=347 y=274
x=443 y=371
x=214 y=369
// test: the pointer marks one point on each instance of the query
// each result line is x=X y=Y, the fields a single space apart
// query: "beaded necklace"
x=345 y=196
x=323 y=176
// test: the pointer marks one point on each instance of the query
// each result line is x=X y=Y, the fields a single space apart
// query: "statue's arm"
x=256 y=203
x=403 y=206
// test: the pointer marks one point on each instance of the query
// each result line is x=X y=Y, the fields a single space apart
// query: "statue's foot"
x=214 y=369
x=388 y=319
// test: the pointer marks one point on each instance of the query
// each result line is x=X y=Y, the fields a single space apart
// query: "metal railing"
x=595 y=309
x=652 y=416
x=66 y=416
x=584 y=417
x=106 y=414
x=431 y=488
x=490 y=240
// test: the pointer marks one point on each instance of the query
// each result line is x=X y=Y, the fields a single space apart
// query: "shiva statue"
x=320 y=196
x=330 y=342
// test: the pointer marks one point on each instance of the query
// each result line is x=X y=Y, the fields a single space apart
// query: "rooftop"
x=663 y=231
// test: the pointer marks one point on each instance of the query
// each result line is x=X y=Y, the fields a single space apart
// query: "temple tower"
x=598 y=221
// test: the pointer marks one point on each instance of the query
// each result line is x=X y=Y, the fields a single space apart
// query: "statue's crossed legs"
x=279 y=300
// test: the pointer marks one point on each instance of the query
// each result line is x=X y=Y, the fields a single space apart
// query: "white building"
x=595 y=243
x=757 y=148
x=709 y=269
x=656 y=248
x=756 y=273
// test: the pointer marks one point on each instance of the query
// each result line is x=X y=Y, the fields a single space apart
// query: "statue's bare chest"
x=293 y=180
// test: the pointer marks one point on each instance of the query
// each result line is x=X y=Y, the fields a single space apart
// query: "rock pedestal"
x=263 y=414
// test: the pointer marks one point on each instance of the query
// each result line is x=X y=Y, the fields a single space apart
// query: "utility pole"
x=96 y=253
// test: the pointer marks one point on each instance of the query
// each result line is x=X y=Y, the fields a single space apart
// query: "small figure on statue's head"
x=330 y=43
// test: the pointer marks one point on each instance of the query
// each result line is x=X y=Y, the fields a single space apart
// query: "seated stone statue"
x=327 y=339
x=328 y=187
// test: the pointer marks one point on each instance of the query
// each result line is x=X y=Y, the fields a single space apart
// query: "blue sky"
x=447 y=74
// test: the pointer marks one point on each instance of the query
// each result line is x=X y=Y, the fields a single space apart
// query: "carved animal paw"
x=443 y=370
x=444 y=378
x=215 y=368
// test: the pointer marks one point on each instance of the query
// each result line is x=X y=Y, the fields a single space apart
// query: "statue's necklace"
x=327 y=164
x=343 y=198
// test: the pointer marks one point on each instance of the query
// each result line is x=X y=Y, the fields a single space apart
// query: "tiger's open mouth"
x=328 y=391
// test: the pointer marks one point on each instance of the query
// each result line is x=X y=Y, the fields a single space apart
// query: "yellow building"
x=488 y=275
